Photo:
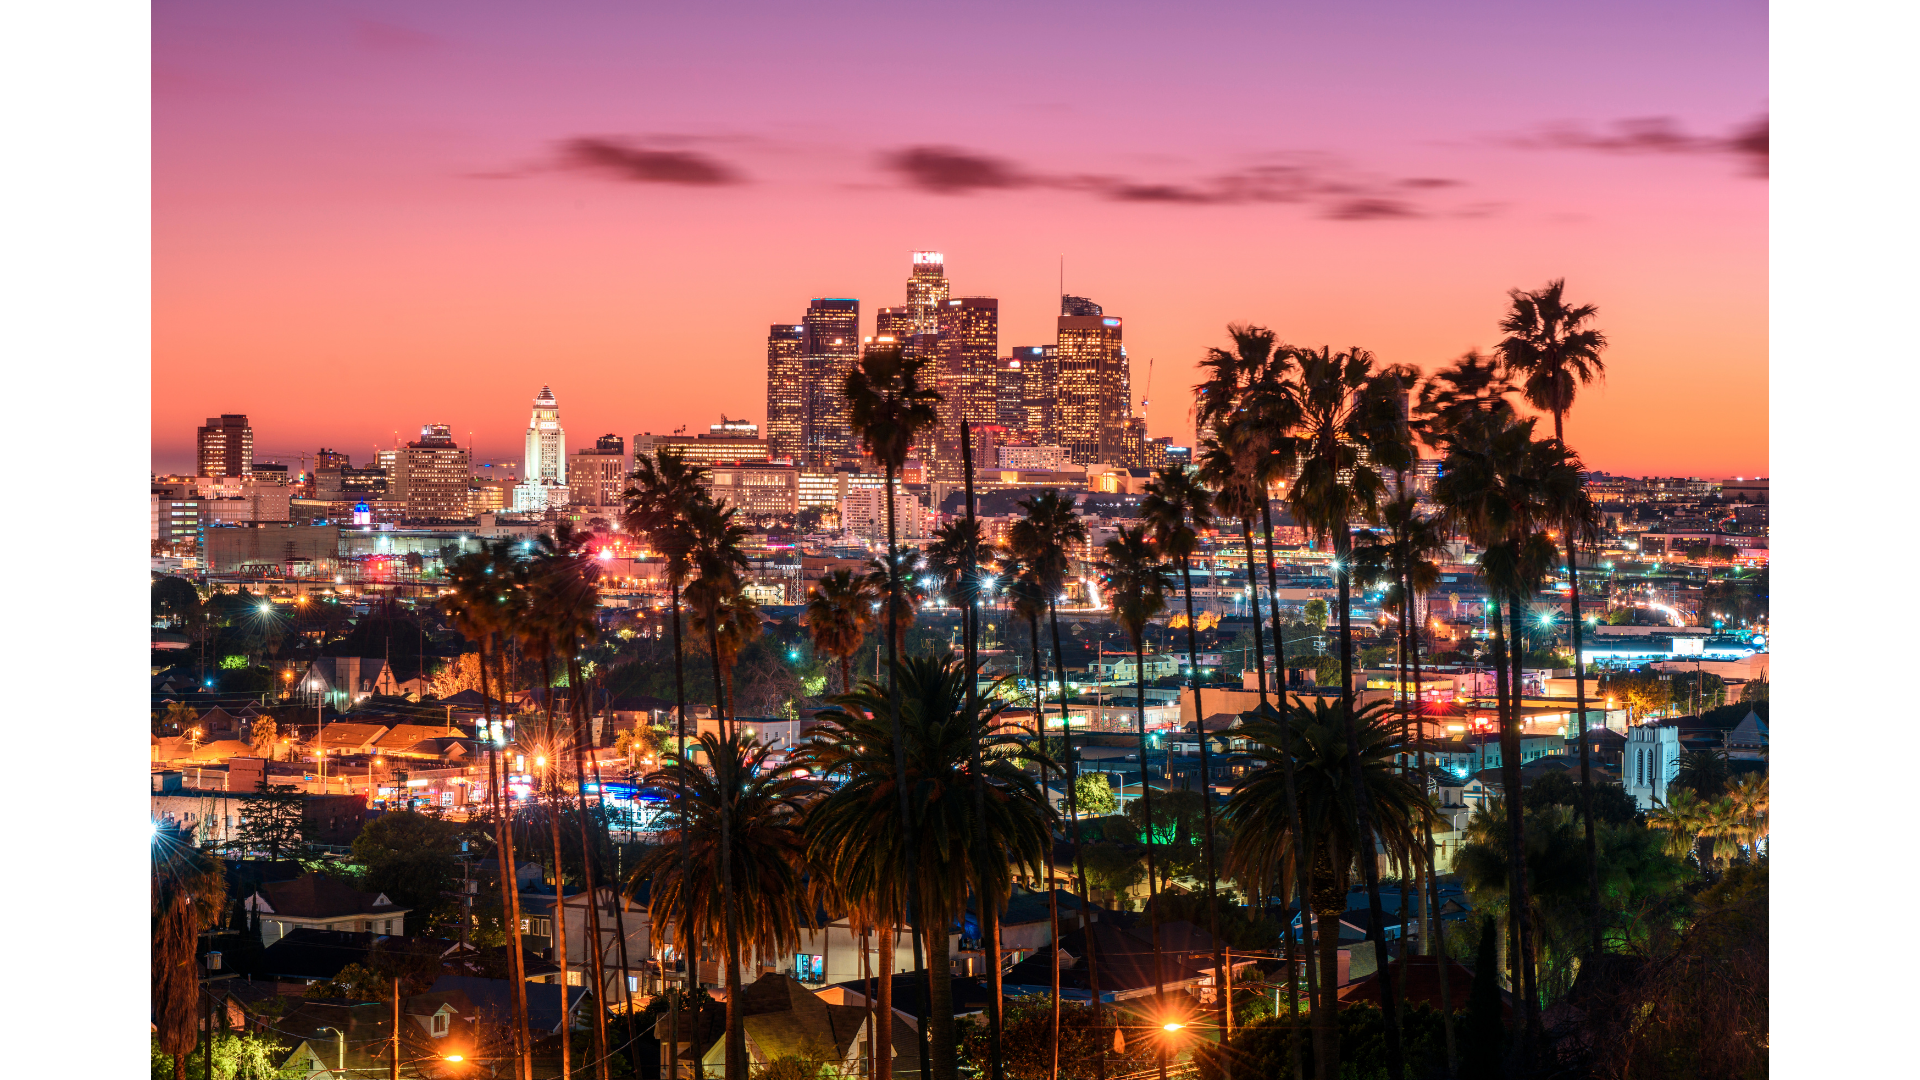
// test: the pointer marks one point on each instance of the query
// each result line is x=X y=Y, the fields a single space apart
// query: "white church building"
x=1651 y=761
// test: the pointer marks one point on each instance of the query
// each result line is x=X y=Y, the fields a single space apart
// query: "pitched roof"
x=317 y=896
x=491 y=996
x=1422 y=985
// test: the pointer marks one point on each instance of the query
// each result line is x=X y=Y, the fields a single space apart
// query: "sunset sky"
x=367 y=218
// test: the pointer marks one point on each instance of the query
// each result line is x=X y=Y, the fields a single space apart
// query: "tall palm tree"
x=660 y=505
x=1043 y=539
x=838 y=614
x=1350 y=427
x=1227 y=465
x=857 y=843
x=1459 y=397
x=749 y=905
x=1175 y=510
x=1324 y=751
x=1554 y=349
x=1136 y=583
x=888 y=408
x=485 y=588
x=718 y=559
x=899 y=585
x=188 y=896
x=1505 y=489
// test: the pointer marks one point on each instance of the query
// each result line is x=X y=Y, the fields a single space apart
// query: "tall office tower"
x=546 y=443
x=611 y=442
x=830 y=344
x=1078 y=305
x=927 y=291
x=894 y=322
x=1040 y=394
x=226 y=446
x=964 y=371
x=1133 y=441
x=786 y=396
x=1095 y=389
x=1010 y=393
x=430 y=476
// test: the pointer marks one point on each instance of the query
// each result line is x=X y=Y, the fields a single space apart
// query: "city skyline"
x=436 y=205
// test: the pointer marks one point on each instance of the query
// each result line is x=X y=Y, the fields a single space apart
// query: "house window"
x=438 y=1028
x=389 y=927
x=573 y=977
x=633 y=984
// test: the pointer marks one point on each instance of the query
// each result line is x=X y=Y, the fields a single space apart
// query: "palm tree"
x=888 y=408
x=1472 y=390
x=1350 y=426
x=1041 y=540
x=1136 y=584
x=485 y=587
x=1553 y=349
x=899 y=585
x=746 y=817
x=718 y=560
x=1324 y=752
x=1175 y=509
x=857 y=843
x=188 y=896
x=660 y=506
x=1504 y=489
x=838 y=614
x=1227 y=465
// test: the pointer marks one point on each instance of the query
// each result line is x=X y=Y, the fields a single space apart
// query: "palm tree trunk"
x=944 y=1065
x=1072 y=772
x=1206 y=800
x=1326 y=1049
x=736 y=1051
x=1430 y=898
x=1529 y=964
x=1253 y=609
x=509 y=891
x=736 y=1062
x=989 y=905
x=1362 y=811
x=1586 y=776
x=1511 y=792
x=559 y=893
x=1146 y=796
x=620 y=933
x=582 y=733
x=883 y=1038
x=908 y=834
x=1053 y=895
x=686 y=850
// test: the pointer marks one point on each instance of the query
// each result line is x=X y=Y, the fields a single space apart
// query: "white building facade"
x=1651 y=761
x=546 y=459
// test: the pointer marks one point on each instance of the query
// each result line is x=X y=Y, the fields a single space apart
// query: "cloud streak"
x=614 y=159
x=1338 y=194
x=1654 y=135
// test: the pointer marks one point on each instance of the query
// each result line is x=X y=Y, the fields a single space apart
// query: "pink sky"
x=365 y=221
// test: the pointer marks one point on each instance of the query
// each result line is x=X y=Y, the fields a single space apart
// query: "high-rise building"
x=1009 y=393
x=1094 y=390
x=430 y=476
x=226 y=446
x=546 y=460
x=894 y=322
x=1079 y=305
x=786 y=392
x=964 y=372
x=1039 y=391
x=597 y=477
x=927 y=291
x=728 y=441
x=829 y=347
x=325 y=457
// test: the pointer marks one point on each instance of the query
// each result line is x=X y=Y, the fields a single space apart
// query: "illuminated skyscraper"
x=1039 y=391
x=546 y=459
x=226 y=446
x=430 y=476
x=1095 y=386
x=786 y=391
x=1009 y=393
x=964 y=370
x=926 y=291
x=1079 y=305
x=830 y=343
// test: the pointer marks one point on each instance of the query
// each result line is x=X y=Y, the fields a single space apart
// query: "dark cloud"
x=1370 y=210
x=945 y=170
x=616 y=160
x=1652 y=135
x=1428 y=182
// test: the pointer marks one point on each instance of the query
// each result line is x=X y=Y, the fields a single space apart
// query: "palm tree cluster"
x=1336 y=433
x=542 y=596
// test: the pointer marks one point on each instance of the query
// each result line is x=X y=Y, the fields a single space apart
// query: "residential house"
x=782 y=1018
x=324 y=903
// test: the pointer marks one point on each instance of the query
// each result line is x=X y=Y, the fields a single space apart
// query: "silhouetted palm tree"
x=660 y=505
x=1136 y=583
x=838 y=614
x=888 y=408
x=857 y=842
x=1554 y=350
x=1325 y=765
x=746 y=819
x=1176 y=509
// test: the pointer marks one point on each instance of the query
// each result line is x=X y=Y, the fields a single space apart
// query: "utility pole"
x=393 y=1065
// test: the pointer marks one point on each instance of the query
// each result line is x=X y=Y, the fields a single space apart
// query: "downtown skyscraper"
x=829 y=348
x=786 y=392
x=1095 y=385
x=546 y=460
x=225 y=446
